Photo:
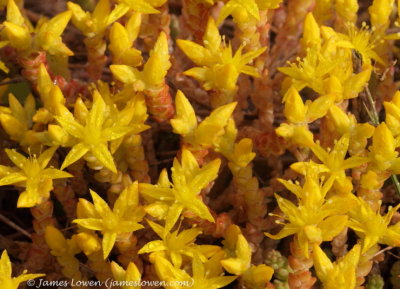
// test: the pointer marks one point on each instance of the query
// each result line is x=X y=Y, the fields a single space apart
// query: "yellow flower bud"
x=88 y=242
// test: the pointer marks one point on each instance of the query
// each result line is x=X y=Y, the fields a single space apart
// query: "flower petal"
x=108 y=243
x=104 y=156
x=12 y=179
x=77 y=151
x=90 y=223
x=153 y=246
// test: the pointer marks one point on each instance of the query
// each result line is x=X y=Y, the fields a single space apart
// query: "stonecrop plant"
x=200 y=144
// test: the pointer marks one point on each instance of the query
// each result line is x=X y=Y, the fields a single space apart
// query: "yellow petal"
x=103 y=155
x=92 y=224
x=5 y=265
x=56 y=241
x=18 y=159
x=380 y=11
x=153 y=246
x=125 y=73
x=185 y=121
x=88 y=242
x=108 y=243
x=157 y=65
x=211 y=38
x=311 y=34
x=332 y=226
x=75 y=154
x=197 y=53
x=18 y=36
x=319 y=107
x=14 y=14
x=295 y=111
x=55 y=174
x=322 y=264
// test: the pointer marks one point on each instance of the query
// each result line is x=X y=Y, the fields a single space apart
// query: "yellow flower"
x=32 y=174
x=238 y=251
x=8 y=282
x=311 y=71
x=17 y=121
x=154 y=71
x=58 y=244
x=247 y=10
x=383 y=152
x=188 y=180
x=175 y=244
x=363 y=41
x=121 y=39
x=359 y=133
x=312 y=33
x=240 y=10
x=88 y=242
x=17 y=31
x=315 y=219
x=299 y=114
x=123 y=218
x=334 y=160
x=216 y=59
x=392 y=110
x=238 y=260
x=95 y=23
x=92 y=133
x=240 y=153
x=205 y=134
x=131 y=274
x=340 y=274
x=47 y=34
x=64 y=249
x=372 y=227
x=203 y=276
x=51 y=96
x=327 y=67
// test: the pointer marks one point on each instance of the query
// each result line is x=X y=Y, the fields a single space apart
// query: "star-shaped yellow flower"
x=47 y=34
x=8 y=282
x=121 y=39
x=32 y=174
x=216 y=58
x=300 y=114
x=123 y=218
x=238 y=260
x=175 y=244
x=203 y=276
x=154 y=71
x=205 y=134
x=130 y=275
x=382 y=152
x=334 y=161
x=315 y=218
x=340 y=274
x=96 y=23
x=188 y=180
x=92 y=134
x=16 y=120
x=372 y=227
